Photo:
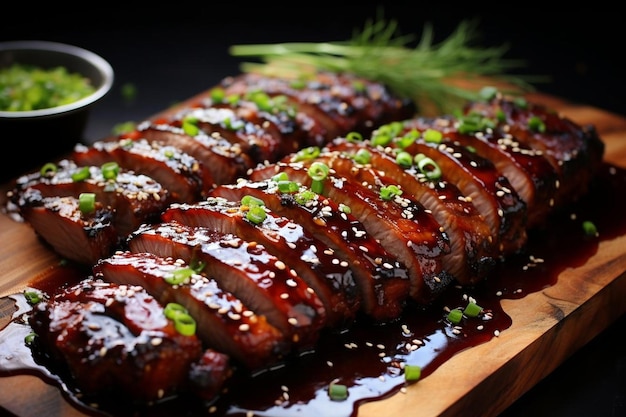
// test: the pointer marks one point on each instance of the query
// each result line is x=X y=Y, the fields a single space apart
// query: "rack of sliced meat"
x=270 y=210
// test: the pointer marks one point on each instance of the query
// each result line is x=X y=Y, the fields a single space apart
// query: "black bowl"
x=31 y=138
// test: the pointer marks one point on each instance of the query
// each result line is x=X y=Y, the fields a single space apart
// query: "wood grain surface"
x=482 y=380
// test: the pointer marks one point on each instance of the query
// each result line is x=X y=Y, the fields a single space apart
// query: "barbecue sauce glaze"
x=365 y=357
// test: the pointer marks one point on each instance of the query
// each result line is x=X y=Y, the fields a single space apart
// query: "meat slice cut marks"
x=82 y=237
x=402 y=226
x=382 y=281
x=116 y=340
x=574 y=151
x=530 y=173
x=327 y=274
x=136 y=198
x=224 y=322
x=222 y=161
x=177 y=171
x=266 y=284
x=473 y=253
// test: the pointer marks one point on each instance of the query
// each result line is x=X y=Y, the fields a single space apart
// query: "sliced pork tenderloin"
x=266 y=284
x=327 y=274
x=224 y=322
x=382 y=281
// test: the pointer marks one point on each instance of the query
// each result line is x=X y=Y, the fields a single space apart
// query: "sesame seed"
x=293 y=321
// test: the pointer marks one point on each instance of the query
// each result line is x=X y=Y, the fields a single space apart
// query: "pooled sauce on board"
x=364 y=357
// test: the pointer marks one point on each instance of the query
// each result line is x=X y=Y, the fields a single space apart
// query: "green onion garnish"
x=178 y=276
x=412 y=373
x=388 y=192
x=354 y=137
x=110 y=170
x=87 y=202
x=32 y=297
x=337 y=392
x=536 y=124
x=190 y=125
x=183 y=322
x=433 y=136
x=362 y=156
x=81 y=175
x=404 y=159
x=256 y=214
x=251 y=201
x=29 y=339
x=590 y=228
x=428 y=167
x=49 y=168
x=455 y=316
x=472 y=309
x=306 y=154
x=281 y=176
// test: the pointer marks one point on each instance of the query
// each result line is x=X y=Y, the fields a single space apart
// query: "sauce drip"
x=365 y=357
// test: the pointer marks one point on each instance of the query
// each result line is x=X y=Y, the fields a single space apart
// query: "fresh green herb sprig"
x=438 y=76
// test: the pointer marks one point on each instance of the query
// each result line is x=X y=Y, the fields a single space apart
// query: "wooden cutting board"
x=482 y=380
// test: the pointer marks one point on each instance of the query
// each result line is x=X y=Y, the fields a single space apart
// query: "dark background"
x=171 y=53
x=174 y=51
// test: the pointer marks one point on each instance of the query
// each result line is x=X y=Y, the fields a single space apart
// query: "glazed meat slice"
x=381 y=279
x=115 y=340
x=136 y=198
x=266 y=284
x=177 y=171
x=574 y=151
x=402 y=226
x=82 y=237
x=295 y=128
x=327 y=274
x=254 y=138
x=341 y=103
x=527 y=169
x=479 y=180
x=222 y=161
x=224 y=323
x=472 y=253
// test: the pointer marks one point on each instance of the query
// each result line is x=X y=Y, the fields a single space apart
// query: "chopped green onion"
x=87 y=202
x=501 y=116
x=337 y=392
x=197 y=265
x=29 y=339
x=404 y=159
x=590 y=228
x=306 y=154
x=521 y=102
x=288 y=186
x=354 y=137
x=172 y=310
x=318 y=171
x=433 y=136
x=178 y=276
x=81 y=175
x=428 y=167
x=344 y=208
x=472 y=309
x=536 y=124
x=412 y=373
x=317 y=186
x=217 y=95
x=32 y=297
x=185 y=325
x=49 y=168
x=110 y=170
x=183 y=322
x=362 y=156
x=304 y=197
x=281 y=176
x=251 y=201
x=256 y=214
x=190 y=125
x=455 y=316
x=407 y=139
x=388 y=192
